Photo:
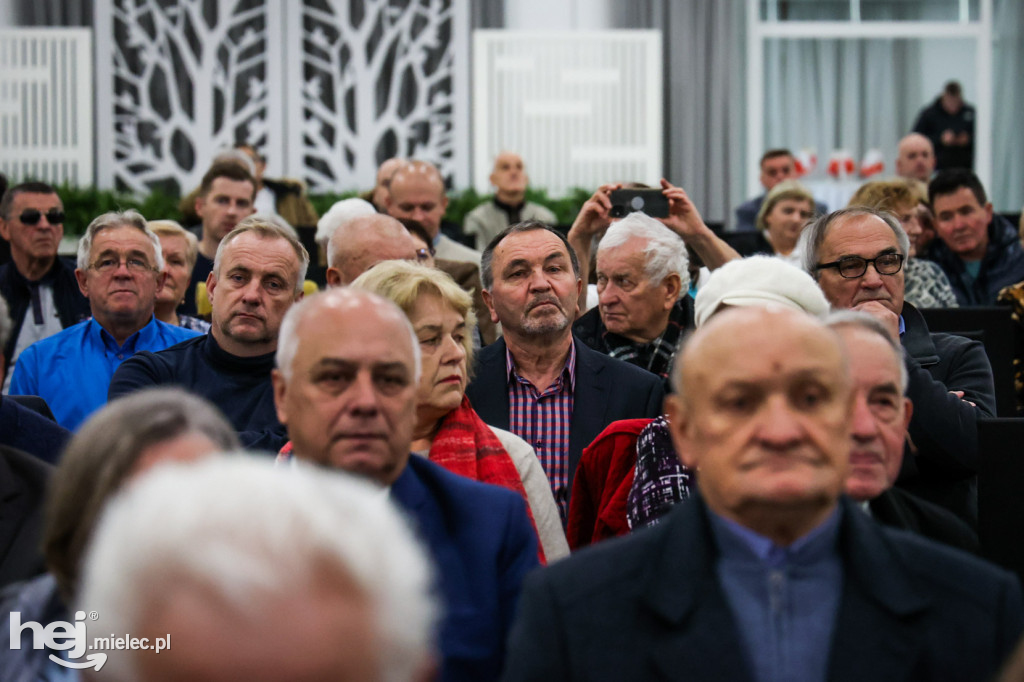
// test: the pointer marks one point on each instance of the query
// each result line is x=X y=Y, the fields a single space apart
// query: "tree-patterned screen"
x=327 y=89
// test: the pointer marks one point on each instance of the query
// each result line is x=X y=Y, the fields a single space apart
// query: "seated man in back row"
x=776 y=165
x=509 y=205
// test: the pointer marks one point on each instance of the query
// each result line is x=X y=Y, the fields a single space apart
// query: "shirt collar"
x=146 y=334
x=569 y=367
x=739 y=542
x=903 y=325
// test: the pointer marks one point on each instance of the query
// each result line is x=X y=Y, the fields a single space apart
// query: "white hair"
x=111 y=219
x=249 y=532
x=339 y=214
x=861 y=320
x=288 y=338
x=664 y=253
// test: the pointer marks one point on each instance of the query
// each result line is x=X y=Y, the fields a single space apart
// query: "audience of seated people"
x=428 y=369
x=776 y=165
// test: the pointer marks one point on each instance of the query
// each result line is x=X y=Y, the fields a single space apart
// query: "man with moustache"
x=120 y=271
x=538 y=381
x=257 y=276
x=769 y=574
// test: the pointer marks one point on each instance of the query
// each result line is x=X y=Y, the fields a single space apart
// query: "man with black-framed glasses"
x=857 y=256
x=39 y=287
x=120 y=272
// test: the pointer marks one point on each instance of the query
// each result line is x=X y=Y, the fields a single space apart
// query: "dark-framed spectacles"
x=31 y=216
x=109 y=264
x=852 y=267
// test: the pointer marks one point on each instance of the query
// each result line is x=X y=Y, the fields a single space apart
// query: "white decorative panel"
x=582 y=108
x=179 y=81
x=46 y=130
x=375 y=79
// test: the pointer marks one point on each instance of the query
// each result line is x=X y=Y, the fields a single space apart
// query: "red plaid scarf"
x=465 y=445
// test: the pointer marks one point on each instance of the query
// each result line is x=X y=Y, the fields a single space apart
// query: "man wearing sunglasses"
x=40 y=288
x=857 y=257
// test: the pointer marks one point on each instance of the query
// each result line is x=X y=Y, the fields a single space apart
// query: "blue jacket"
x=71 y=370
x=483 y=545
x=1002 y=265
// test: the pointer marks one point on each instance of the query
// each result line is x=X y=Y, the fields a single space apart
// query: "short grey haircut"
x=288 y=338
x=861 y=320
x=112 y=219
x=487 y=257
x=102 y=455
x=813 y=236
x=266 y=229
x=337 y=215
x=664 y=254
x=247 y=533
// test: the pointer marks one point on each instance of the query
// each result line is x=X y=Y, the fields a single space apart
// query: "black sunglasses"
x=31 y=216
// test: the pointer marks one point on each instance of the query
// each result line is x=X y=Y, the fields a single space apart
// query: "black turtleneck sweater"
x=239 y=386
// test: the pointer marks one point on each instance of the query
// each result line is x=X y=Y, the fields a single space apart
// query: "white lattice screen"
x=581 y=108
x=46 y=130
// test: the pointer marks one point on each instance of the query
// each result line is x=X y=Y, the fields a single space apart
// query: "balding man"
x=417 y=193
x=915 y=158
x=509 y=204
x=345 y=385
x=769 y=574
x=362 y=242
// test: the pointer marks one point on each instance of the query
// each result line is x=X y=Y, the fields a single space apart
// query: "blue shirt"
x=784 y=599
x=71 y=370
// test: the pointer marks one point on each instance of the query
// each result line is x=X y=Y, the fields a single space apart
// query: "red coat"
x=604 y=475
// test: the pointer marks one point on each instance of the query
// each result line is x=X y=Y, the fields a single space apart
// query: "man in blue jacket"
x=345 y=386
x=978 y=250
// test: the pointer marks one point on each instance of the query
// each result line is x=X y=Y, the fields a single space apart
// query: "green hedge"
x=82 y=204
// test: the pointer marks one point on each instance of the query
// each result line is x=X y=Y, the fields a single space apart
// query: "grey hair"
x=246 y=533
x=487 y=258
x=856 y=318
x=267 y=229
x=664 y=253
x=813 y=236
x=235 y=155
x=99 y=458
x=288 y=337
x=111 y=219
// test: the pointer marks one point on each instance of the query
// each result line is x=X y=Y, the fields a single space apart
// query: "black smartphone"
x=649 y=201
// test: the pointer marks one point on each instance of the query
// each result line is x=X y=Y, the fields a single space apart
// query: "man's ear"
x=333 y=277
x=678 y=427
x=211 y=284
x=5 y=230
x=161 y=280
x=280 y=392
x=908 y=412
x=673 y=289
x=83 y=282
x=199 y=205
x=489 y=302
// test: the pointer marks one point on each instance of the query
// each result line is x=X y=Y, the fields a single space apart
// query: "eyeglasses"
x=424 y=254
x=109 y=264
x=852 y=267
x=31 y=216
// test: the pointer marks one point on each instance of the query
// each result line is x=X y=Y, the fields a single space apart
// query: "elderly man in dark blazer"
x=538 y=381
x=345 y=387
x=769 y=574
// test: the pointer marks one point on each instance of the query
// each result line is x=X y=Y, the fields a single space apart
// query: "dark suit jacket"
x=898 y=508
x=606 y=390
x=27 y=424
x=23 y=482
x=483 y=545
x=650 y=607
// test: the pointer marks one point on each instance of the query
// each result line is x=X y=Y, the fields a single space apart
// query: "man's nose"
x=779 y=427
x=363 y=397
x=864 y=426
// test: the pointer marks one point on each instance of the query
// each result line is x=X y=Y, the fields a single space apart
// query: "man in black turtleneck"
x=257 y=276
x=509 y=205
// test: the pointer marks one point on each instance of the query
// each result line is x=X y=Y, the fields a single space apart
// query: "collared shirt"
x=71 y=370
x=542 y=419
x=784 y=599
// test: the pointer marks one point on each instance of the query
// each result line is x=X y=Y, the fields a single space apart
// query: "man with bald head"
x=345 y=385
x=362 y=242
x=769 y=574
x=417 y=193
x=509 y=205
x=915 y=158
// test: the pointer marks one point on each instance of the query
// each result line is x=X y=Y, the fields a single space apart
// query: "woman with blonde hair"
x=448 y=429
x=784 y=213
x=179 y=247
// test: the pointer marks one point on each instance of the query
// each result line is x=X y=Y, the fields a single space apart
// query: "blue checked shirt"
x=542 y=419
